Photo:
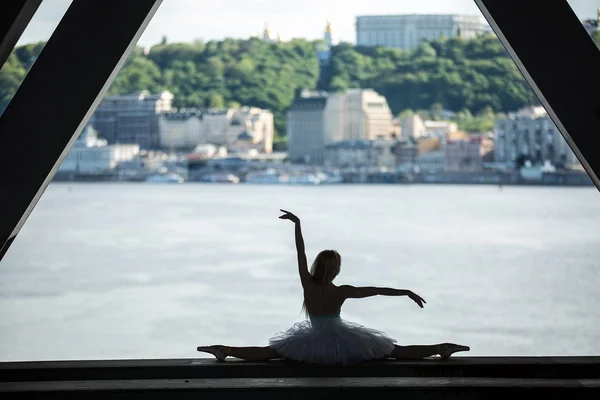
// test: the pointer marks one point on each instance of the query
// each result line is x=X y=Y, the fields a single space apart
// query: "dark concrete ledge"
x=466 y=367
x=297 y=388
x=293 y=383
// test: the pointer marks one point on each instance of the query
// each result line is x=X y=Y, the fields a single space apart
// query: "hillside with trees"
x=473 y=78
x=460 y=75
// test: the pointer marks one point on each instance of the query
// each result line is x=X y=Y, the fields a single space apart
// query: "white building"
x=407 y=31
x=357 y=114
x=242 y=128
x=181 y=130
x=530 y=135
x=253 y=126
x=317 y=119
x=92 y=156
x=412 y=126
x=440 y=129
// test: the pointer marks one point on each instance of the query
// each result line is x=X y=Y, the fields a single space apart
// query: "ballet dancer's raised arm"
x=302 y=263
x=351 y=292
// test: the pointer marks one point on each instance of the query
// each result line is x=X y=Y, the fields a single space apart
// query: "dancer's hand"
x=417 y=299
x=290 y=216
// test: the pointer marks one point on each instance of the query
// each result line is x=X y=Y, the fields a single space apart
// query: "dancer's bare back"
x=323 y=299
x=328 y=299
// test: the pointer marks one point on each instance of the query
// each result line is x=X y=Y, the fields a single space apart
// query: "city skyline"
x=189 y=20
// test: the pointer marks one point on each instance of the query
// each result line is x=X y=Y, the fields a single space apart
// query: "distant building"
x=181 y=130
x=350 y=154
x=92 y=156
x=463 y=156
x=407 y=31
x=412 y=126
x=328 y=35
x=487 y=144
x=324 y=56
x=238 y=129
x=426 y=144
x=406 y=152
x=324 y=50
x=206 y=151
x=268 y=37
x=357 y=114
x=487 y=30
x=395 y=132
x=355 y=154
x=530 y=135
x=250 y=126
x=459 y=135
x=441 y=129
x=431 y=161
x=317 y=118
x=306 y=128
x=132 y=118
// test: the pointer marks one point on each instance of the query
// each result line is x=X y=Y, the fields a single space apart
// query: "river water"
x=152 y=271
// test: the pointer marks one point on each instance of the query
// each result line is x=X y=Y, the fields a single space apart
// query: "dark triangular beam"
x=14 y=18
x=57 y=97
x=560 y=62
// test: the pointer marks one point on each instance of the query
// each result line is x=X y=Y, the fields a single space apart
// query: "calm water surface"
x=152 y=271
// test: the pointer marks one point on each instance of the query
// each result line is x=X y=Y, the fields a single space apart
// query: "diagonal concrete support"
x=14 y=18
x=58 y=96
x=560 y=62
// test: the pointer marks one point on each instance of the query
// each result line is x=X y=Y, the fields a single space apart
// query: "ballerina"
x=325 y=338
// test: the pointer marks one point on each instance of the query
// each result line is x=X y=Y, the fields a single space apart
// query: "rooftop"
x=143 y=95
x=529 y=113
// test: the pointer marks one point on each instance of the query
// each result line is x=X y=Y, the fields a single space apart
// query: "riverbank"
x=276 y=177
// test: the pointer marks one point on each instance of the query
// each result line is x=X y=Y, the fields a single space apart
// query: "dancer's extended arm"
x=302 y=263
x=351 y=292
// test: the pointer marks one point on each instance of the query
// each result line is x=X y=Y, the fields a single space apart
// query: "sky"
x=189 y=20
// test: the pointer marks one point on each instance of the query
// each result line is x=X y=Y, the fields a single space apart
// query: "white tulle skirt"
x=331 y=340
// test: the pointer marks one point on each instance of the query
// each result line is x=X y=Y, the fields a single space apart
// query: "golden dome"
x=328 y=27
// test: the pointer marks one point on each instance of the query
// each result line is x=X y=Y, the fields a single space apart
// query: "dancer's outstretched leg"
x=254 y=353
x=419 y=352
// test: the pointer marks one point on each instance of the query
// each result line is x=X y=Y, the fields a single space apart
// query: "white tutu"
x=331 y=340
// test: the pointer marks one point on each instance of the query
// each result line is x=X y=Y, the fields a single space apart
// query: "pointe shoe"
x=447 y=349
x=214 y=350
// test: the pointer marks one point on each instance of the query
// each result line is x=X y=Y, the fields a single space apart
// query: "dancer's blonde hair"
x=324 y=269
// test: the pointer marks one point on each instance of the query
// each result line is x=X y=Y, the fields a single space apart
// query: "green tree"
x=406 y=113
x=596 y=38
x=11 y=76
x=474 y=78
x=436 y=111
x=216 y=101
x=138 y=74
